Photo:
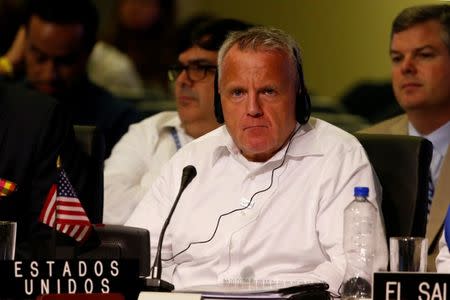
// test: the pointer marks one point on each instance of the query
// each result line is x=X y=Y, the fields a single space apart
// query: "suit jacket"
x=89 y=104
x=441 y=199
x=34 y=130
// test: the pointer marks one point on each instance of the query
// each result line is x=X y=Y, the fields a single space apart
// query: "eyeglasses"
x=194 y=72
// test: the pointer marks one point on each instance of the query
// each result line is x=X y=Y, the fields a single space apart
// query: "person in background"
x=34 y=131
x=144 y=30
x=137 y=158
x=420 y=58
x=59 y=37
x=268 y=200
x=113 y=70
x=107 y=66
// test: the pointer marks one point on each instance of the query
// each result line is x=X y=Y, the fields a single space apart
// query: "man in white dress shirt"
x=271 y=187
x=137 y=158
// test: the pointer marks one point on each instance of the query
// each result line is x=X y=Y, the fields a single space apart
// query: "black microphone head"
x=189 y=172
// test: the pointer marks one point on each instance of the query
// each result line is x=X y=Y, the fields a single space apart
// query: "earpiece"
x=303 y=101
x=217 y=102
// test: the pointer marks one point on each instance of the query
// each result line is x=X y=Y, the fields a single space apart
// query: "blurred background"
x=345 y=44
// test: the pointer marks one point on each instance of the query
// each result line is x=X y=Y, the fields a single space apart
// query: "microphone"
x=155 y=283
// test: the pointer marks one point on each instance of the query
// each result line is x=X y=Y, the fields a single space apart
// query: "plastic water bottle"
x=360 y=218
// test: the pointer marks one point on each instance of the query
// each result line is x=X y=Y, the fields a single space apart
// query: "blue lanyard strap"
x=176 y=138
x=447 y=228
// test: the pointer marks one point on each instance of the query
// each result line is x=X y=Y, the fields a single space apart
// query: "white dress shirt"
x=443 y=258
x=113 y=70
x=135 y=162
x=293 y=230
x=440 y=138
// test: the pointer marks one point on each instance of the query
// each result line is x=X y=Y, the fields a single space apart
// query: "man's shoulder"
x=395 y=125
x=156 y=123
x=206 y=144
x=104 y=97
x=109 y=105
x=16 y=97
x=329 y=136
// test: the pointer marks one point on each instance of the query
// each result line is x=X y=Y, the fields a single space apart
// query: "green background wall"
x=343 y=41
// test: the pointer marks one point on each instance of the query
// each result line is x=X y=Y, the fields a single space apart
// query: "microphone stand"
x=155 y=283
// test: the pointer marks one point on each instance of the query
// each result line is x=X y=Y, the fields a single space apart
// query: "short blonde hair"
x=263 y=39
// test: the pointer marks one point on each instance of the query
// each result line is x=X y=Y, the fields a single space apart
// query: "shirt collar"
x=174 y=123
x=305 y=142
x=171 y=122
x=439 y=138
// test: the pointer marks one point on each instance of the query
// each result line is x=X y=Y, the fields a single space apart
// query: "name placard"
x=30 y=278
x=410 y=285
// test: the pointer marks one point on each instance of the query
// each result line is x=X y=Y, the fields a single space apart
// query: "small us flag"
x=63 y=211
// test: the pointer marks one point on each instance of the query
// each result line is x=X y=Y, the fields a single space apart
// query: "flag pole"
x=54 y=234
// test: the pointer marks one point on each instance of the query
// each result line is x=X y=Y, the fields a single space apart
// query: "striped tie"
x=435 y=167
x=430 y=193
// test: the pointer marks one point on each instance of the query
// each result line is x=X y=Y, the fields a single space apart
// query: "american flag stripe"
x=69 y=214
x=84 y=233
x=68 y=201
x=62 y=215
x=70 y=208
x=71 y=219
x=74 y=230
x=47 y=215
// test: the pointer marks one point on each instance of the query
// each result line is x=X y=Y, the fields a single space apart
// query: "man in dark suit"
x=54 y=49
x=420 y=56
x=34 y=131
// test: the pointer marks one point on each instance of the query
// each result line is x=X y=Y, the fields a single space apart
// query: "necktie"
x=430 y=192
x=435 y=167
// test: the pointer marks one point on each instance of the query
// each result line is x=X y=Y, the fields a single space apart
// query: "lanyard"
x=176 y=138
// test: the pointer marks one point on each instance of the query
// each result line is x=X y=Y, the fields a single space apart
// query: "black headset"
x=302 y=102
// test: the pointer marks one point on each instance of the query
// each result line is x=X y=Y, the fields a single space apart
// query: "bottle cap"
x=361 y=191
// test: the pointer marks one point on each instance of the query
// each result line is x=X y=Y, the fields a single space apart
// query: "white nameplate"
x=411 y=285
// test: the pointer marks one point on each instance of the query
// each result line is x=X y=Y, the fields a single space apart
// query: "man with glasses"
x=137 y=158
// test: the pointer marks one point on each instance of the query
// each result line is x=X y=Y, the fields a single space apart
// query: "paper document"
x=252 y=291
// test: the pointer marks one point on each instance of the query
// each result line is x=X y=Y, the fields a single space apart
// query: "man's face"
x=54 y=56
x=195 y=98
x=258 y=94
x=421 y=68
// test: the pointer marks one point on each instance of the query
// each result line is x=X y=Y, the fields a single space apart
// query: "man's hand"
x=16 y=53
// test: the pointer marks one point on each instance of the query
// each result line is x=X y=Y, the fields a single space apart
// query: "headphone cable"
x=243 y=208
